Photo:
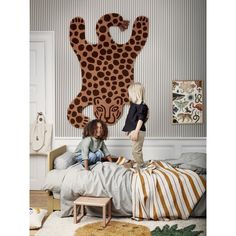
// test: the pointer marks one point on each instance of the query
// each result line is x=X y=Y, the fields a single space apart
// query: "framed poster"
x=187 y=102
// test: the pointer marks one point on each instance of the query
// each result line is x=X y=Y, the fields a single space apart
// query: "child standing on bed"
x=92 y=148
x=135 y=121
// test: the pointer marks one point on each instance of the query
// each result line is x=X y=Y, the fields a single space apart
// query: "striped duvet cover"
x=161 y=191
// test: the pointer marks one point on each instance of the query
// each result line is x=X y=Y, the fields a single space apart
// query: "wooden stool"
x=92 y=201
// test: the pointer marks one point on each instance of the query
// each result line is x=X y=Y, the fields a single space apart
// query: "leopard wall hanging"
x=107 y=67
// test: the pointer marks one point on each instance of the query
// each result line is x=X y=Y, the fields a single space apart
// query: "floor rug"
x=114 y=228
x=57 y=226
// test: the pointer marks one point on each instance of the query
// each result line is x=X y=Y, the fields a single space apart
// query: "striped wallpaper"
x=175 y=50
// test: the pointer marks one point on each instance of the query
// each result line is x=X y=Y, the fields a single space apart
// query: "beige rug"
x=114 y=228
x=57 y=226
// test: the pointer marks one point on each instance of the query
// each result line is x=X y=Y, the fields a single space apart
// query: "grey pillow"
x=195 y=161
x=64 y=161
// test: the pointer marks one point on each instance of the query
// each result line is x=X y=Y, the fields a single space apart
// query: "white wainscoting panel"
x=38 y=171
x=154 y=148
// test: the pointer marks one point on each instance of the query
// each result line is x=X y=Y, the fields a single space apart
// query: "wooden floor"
x=38 y=199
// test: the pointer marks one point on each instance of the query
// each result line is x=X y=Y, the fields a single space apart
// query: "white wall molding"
x=154 y=148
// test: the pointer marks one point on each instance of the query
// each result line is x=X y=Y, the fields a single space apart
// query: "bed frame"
x=54 y=204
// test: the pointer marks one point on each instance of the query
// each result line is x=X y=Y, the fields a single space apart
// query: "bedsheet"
x=104 y=179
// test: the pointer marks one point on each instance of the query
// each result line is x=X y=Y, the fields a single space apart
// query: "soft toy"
x=36 y=217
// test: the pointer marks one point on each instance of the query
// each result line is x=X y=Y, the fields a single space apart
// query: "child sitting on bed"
x=92 y=148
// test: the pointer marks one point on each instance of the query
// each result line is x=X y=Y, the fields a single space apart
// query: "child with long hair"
x=135 y=121
x=92 y=148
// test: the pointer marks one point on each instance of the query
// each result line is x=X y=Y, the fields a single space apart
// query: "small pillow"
x=36 y=217
x=64 y=161
x=195 y=161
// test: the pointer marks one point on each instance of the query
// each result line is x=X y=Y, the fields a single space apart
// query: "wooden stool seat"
x=92 y=201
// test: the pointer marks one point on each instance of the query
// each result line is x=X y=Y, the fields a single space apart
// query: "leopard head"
x=108 y=109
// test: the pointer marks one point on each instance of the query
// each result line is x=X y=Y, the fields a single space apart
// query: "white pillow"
x=64 y=161
x=36 y=217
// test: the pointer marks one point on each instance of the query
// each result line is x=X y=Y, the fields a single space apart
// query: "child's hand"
x=109 y=158
x=134 y=135
x=86 y=165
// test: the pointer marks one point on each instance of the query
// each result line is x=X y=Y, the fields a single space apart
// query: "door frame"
x=47 y=37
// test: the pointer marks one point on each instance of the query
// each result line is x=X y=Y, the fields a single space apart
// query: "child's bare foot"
x=128 y=164
x=109 y=159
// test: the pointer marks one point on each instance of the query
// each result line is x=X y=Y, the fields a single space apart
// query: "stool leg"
x=75 y=213
x=109 y=212
x=104 y=215
x=81 y=215
x=82 y=210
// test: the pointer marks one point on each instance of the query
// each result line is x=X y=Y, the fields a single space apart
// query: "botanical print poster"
x=187 y=102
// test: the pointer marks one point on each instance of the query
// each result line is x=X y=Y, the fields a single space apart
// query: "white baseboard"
x=153 y=148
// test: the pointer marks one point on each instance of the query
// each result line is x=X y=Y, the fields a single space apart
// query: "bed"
x=104 y=179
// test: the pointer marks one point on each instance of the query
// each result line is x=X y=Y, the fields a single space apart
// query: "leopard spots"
x=106 y=68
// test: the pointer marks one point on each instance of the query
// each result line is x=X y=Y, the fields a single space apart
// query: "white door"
x=37 y=79
x=41 y=81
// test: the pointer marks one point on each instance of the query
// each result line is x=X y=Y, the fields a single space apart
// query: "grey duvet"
x=104 y=179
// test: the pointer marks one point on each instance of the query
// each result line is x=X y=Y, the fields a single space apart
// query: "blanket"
x=157 y=192
x=104 y=180
x=161 y=191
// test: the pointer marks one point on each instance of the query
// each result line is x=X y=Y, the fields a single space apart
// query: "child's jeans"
x=92 y=157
